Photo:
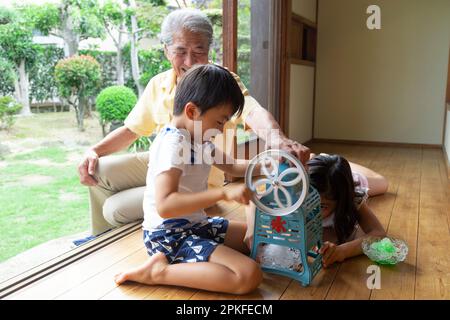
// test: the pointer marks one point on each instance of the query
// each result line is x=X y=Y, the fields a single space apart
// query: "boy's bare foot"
x=147 y=273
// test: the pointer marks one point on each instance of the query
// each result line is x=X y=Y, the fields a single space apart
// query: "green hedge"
x=42 y=82
x=115 y=103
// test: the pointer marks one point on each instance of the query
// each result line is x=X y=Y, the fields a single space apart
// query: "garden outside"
x=41 y=196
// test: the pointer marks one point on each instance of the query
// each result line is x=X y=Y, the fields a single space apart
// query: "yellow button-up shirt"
x=155 y=107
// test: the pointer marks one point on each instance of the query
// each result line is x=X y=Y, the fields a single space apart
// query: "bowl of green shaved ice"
x=386 y=250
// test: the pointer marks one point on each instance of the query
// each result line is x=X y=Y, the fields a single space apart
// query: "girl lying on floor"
x=347 y=219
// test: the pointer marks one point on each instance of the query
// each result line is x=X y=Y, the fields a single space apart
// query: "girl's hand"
x=237 y=192
x=331 y=253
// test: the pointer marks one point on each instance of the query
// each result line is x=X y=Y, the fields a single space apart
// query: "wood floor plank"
x=433 y=277
x=351 y=279
x=170 y=293
x=129 y=291
x=205 y=295
x=391 y=167
x=445 y=182
x=100 y=284
x=382 y=206
x=317 y=290
x=397 y=282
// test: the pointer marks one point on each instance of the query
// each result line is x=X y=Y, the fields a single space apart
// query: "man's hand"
x=298 y=150
x=237 y=192
x=115 y=141
x=86 y=168
x=267 y=128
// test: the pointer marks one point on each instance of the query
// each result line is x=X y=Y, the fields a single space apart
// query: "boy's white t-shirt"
x=172 y=148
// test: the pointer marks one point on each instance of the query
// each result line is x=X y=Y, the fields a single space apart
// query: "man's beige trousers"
x=117 y=198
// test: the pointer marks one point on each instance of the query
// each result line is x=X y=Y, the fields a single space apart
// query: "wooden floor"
x=416 y=209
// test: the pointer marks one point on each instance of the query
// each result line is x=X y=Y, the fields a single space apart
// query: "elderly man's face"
x=188 y=49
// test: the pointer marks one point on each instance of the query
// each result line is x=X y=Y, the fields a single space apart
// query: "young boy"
x=176 y=228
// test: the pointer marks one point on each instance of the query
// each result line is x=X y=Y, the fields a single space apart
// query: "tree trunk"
x=119 y=62
x=103 y=128
x=17 y=93
x=119 y=68
x=70 y=37
x=88 y=108
x=134 y=50
x=80 y=113
x=23 y=89
x=71 y=45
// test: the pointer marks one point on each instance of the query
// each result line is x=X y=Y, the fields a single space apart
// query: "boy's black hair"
x=208 y=86
x=332 y=176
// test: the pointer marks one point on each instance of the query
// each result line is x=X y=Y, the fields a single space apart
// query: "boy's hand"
x=331 y=253
x=237 y=192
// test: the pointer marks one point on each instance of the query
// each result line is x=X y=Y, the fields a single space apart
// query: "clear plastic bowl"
x=385 y=250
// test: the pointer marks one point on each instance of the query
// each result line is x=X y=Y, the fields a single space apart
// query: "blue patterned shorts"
x=182 y=241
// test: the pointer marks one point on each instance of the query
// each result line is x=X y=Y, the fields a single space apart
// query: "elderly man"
x=117 y=183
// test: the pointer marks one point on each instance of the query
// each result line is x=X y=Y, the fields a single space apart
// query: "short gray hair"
x=185 y=19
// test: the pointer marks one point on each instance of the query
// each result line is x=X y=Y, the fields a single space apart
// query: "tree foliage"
x=16 y=46
x=244 y=42
x=79 y=77
x=43 y=85
x=89 y=18
x=150 y=16
x=7 y=77
x=45 y=17
x=16 y=43
x=112 y=13
x=153 y=62
x=70 y=20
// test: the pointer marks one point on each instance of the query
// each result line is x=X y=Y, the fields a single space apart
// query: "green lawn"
x=39 y=202
x=41 y=198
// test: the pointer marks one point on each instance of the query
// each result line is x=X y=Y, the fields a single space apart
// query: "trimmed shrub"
x=80 y=77
x=8 y=108
x=114 y=104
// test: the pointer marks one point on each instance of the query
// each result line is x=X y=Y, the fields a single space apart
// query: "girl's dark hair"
x=208 y=86
x=331 y=175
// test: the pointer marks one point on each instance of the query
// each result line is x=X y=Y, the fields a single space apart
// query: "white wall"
x=301 y=103
x=302 y=85
x=383 y=85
